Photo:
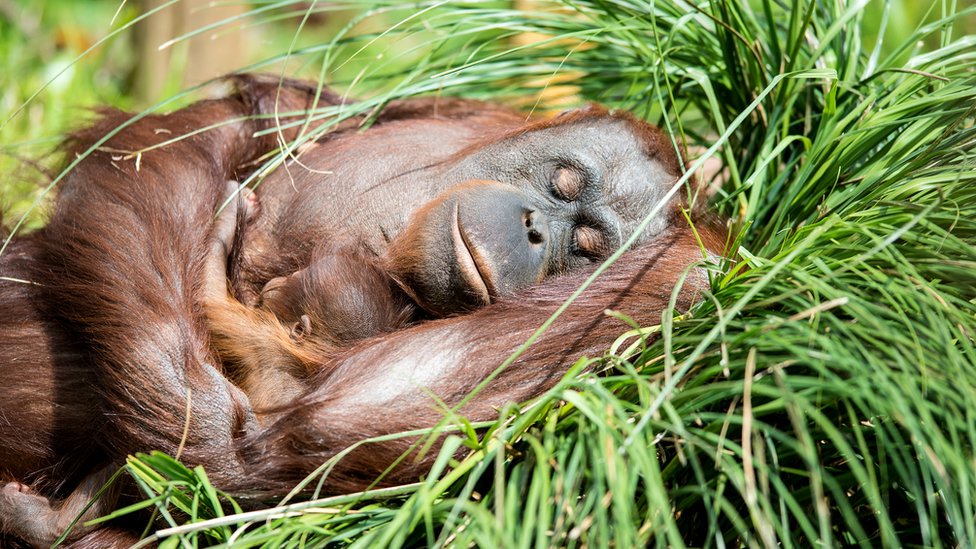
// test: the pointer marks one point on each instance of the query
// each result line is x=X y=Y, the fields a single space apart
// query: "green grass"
x=47 y=83
x=821 y=393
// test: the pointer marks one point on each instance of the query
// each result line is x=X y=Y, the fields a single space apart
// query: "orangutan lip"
x=466 y=256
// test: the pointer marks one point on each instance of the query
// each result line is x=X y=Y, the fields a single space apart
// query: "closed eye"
x=589 y=242
x=567 y=183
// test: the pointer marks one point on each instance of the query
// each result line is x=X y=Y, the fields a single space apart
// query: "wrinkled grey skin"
x=377 y=196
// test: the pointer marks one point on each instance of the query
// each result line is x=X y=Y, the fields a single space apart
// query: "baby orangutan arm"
x=263 y=357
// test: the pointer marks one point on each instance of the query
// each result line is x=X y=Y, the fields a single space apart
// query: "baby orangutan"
x=270 y=350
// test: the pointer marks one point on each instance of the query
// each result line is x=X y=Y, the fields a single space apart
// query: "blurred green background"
x=62 y=58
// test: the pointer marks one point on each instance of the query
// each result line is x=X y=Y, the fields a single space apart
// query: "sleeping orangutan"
x=448 y=211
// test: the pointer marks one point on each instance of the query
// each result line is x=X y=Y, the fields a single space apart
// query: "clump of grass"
x=820 y=393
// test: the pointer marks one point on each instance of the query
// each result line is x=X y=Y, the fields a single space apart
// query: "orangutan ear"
x=301 y=329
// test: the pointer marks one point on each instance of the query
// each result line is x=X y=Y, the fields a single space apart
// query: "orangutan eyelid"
x=567 y=183
x=589 y=241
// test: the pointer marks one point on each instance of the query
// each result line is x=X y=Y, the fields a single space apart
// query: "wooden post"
x=188 y=62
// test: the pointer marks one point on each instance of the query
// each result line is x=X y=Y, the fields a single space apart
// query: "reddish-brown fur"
x=272 y=351
x=104 y=357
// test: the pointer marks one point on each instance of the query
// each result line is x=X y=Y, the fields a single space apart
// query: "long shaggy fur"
x=109 y=352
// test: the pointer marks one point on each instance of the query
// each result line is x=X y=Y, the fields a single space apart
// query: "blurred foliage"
x=47 y=84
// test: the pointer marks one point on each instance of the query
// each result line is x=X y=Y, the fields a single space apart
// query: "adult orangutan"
x=461 y=206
